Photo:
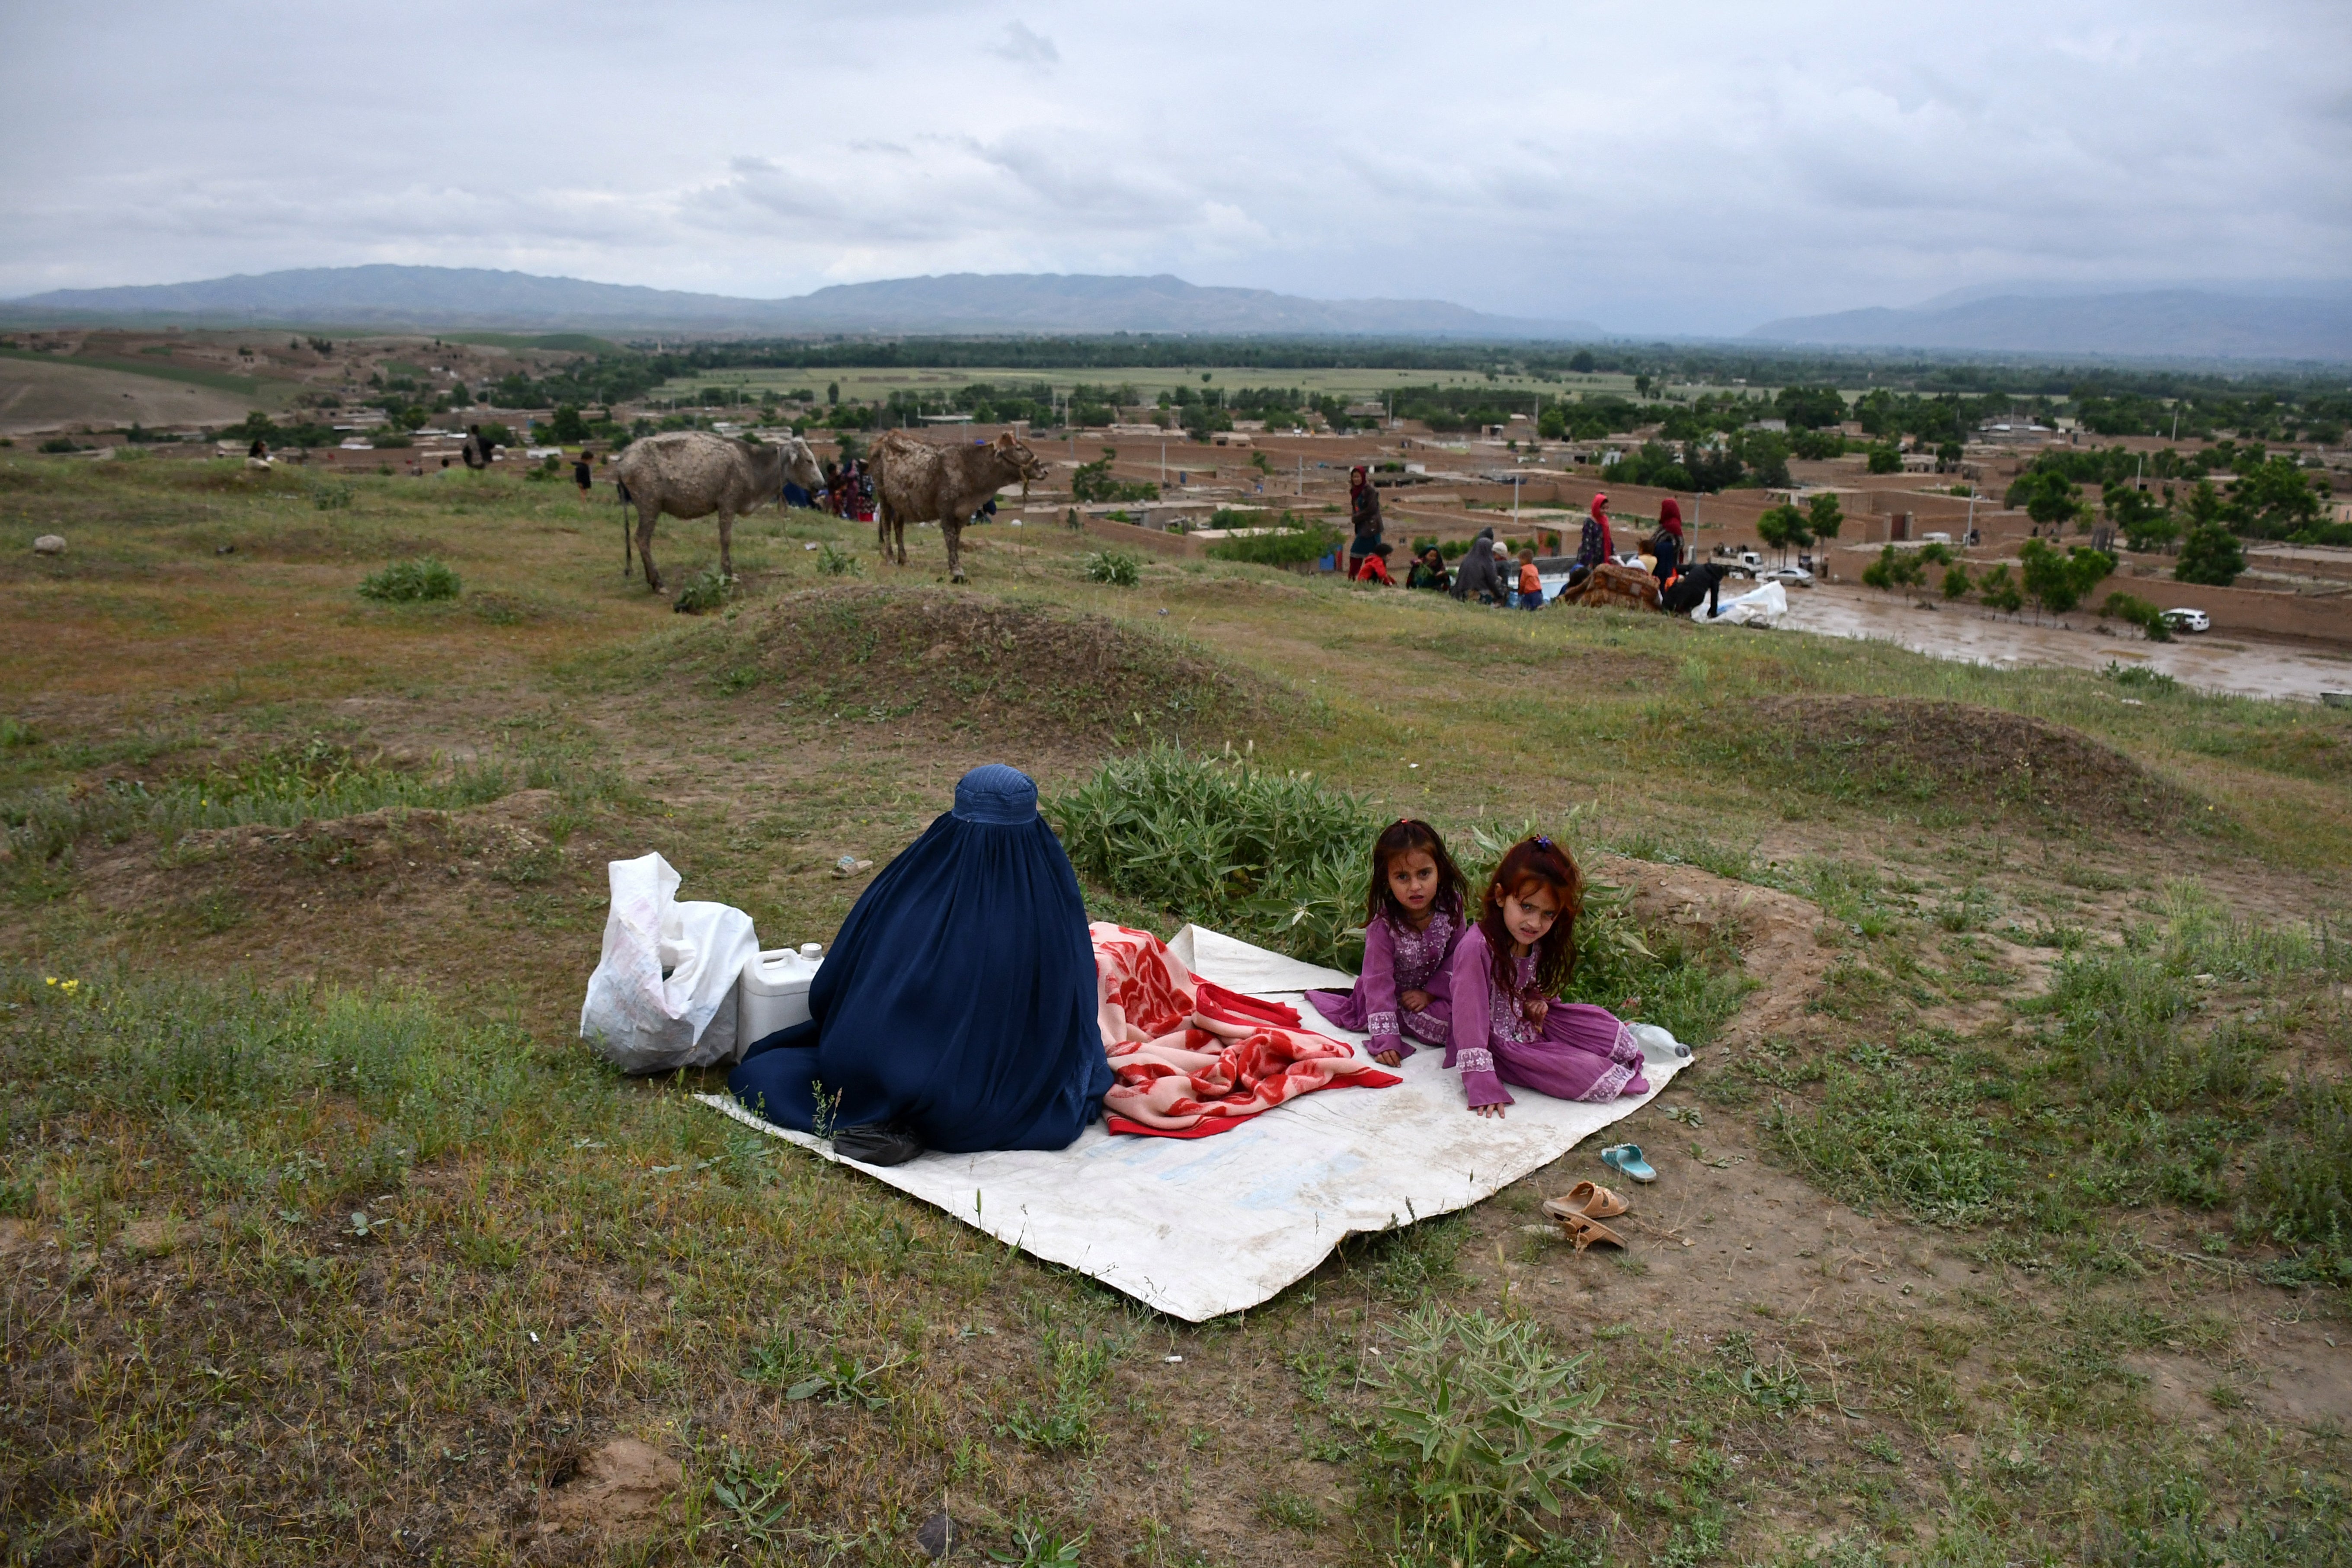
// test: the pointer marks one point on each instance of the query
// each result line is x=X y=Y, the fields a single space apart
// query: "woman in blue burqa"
x=957 y=1009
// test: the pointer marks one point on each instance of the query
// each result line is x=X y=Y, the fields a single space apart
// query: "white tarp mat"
x=1199 y=1227
x=1763 y=607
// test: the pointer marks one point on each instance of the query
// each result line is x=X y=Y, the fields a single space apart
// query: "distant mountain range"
x=464 y=296
x=2168 y=323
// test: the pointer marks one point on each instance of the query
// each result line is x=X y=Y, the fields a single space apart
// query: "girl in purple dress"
x=1413 y=919
x=1507 y=1025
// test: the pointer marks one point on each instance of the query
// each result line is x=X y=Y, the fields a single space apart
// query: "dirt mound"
x=1947 y=754
x=959 y=661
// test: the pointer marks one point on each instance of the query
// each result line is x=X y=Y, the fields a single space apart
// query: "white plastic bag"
x=663 y=995
x=1762 y=607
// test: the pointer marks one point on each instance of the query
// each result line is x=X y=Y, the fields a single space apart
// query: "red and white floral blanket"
x=1192 y=1059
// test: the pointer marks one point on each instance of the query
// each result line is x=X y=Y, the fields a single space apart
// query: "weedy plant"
x=1278 y=858
x=1035 y=1546
x=832 y=563
x=410 y=582
x=707 y=590
x=1076 y=1366
x=1116 y=567
x=334 y=496
x=1483 y=1430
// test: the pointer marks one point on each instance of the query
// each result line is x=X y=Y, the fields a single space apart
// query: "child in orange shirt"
x=1530 y=584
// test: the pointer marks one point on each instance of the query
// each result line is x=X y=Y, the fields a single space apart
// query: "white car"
x=2187 y=620
x=1795 y=576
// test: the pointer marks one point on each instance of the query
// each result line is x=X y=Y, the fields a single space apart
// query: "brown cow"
x=914 y=481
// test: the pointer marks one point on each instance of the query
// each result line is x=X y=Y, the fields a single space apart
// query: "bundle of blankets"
x=1192 y=1059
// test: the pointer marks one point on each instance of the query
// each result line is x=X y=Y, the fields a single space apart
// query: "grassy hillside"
x=2005 y=1217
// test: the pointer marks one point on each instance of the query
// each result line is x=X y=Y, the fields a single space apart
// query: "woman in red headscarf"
x=1596 y=547
x=1668 y=543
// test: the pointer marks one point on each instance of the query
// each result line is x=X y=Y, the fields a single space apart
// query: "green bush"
x=1116 y=567
x=832 y=563
x=410 y=582
x=337 y=496
x=1293 y=543
x=706 y=590
x=2133 y=610
x=1957 y=582
x=1278 y=858
x=59 y=443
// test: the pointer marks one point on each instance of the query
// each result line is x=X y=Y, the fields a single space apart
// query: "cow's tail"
x=622 y=486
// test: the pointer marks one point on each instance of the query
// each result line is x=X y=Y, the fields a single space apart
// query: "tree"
x=2144 y=524
x=1949 y=455
x=1884 y=458
x=1552 y=423
x=1810 y=407
x=1582 y=362
x=1782 y=527
x=2210 y=555
x=2271 y=500
x=1825 y=516
x=569 y=427
x=1766 y=455
x=1894 y=569
x=1641 y=385
x=2058 y=581
x=1956 y=582
x=2049 y=497
x=833 y=394
x=2000 y=591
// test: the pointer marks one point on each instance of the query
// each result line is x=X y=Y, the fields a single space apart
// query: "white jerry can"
x=773 y=994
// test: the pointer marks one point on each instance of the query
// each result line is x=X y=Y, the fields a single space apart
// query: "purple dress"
x=1398 y=959
x=1579 y=1051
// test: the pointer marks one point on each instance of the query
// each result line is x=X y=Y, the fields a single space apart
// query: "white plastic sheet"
x=1762 y=607
x=663 y=995
x=1204 y=1226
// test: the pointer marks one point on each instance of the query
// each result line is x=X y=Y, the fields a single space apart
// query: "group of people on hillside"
x=966 y=1005
x=1488 y=575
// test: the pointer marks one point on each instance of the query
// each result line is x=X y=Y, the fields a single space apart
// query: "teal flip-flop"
x=1626 y=1160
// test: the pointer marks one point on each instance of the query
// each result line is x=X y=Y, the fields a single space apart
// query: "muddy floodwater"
x=2210 y=661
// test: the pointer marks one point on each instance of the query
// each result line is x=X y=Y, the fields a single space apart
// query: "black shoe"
x=877 y=1144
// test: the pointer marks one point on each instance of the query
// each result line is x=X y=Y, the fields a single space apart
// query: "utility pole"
x=1163 y=462
x=1302 y=473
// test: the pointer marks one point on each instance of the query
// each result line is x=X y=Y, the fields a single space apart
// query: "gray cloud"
x=1687 y=166
x=1021 y=46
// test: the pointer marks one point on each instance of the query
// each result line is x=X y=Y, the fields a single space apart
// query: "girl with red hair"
x=1507 y=1023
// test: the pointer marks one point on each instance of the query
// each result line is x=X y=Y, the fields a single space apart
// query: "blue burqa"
x=958 y=1001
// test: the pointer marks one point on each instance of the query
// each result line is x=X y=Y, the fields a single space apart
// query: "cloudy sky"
x=1658 y=166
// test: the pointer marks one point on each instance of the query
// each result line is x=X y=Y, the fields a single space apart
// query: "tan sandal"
x=1584 y=1230
x=1587 y=1199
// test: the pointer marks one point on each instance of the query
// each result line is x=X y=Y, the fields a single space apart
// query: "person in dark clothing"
x=477 y=448
x=1692 y=584
x=260 y=448
x=1428 y=572
x=1668 y=542
x=1475 y=581
x=583 y=475
x=1596 y=547
x=1364 y=511
x=959 y=1008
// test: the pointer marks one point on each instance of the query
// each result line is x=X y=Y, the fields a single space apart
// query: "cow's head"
x=1016 y=455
